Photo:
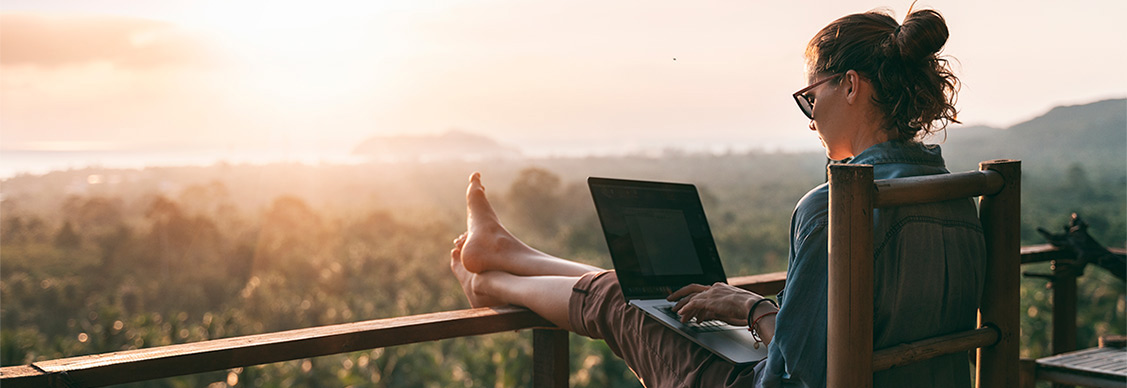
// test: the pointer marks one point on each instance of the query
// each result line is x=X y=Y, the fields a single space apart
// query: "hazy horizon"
x=15 y=162
x=179 y=81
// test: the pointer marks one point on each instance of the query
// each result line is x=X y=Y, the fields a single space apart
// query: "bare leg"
x=548 y=296
x=490 y=247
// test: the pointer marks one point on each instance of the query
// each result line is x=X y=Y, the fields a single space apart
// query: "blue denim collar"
x=899 y=151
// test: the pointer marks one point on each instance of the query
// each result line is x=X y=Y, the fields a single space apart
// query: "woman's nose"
x=812 y=126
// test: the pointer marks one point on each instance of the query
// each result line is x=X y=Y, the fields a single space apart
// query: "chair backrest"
x=853 y=196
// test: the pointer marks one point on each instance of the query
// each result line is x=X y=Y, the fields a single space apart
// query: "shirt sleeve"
x=797 y=354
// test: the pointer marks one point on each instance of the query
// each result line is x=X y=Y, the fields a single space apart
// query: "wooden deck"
x=1096 y=367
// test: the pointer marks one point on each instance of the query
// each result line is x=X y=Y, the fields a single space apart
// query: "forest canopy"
x=97 y=260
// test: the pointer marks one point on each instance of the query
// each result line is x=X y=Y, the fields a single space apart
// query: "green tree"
x=534 y=200
x=67 y=239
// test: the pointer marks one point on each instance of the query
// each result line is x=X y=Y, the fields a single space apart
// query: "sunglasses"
x=805 y=103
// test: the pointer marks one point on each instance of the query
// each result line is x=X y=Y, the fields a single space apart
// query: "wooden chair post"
x=550 y=367
x=997 y=365
x=849 y=341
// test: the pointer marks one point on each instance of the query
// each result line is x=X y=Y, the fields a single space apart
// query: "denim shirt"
x=929 y=270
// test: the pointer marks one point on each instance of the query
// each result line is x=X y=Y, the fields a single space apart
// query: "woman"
x=875 y=87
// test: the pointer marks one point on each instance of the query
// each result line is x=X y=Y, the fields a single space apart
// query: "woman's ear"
x=852 y=83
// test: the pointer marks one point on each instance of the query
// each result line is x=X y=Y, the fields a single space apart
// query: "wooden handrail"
x=762 y=284
x=550 y=346
x=177 y=360
x=165 y=361
x=1046 y=252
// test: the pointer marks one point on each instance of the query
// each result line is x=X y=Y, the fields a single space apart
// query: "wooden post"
x=997 y=365
x=849 y=353
x=1064 y=307
x=550 y=358
x=1064 y=310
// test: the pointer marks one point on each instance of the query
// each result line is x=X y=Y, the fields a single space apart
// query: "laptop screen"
x=657 y=235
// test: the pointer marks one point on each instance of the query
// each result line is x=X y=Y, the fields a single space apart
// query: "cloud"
x=55 y=40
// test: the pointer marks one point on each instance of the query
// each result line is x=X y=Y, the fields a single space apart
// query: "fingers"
x=680 y=305
x=690 y=309
x=686 y=291
x=718 y=302
x=700 y=309
x=685 y=305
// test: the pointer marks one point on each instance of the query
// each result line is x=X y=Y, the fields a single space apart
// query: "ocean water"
x=20 y=162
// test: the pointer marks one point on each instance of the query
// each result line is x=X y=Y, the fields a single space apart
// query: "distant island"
x=451 y=145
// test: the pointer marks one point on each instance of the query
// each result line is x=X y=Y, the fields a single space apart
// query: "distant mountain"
x=452 y=145
x=1092 y=136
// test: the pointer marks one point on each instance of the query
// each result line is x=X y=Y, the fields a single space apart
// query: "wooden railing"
x=550 y=345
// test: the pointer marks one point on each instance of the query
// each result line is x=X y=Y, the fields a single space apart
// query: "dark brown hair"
x=914 y=87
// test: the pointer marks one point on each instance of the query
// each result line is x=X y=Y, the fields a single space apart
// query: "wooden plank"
x=166 y=361
x=21 y=371
x=762 y=284
x=1104 y=363
x=997 y=365
x=1059 y=377
x=1044 y=252
x=27 y=376
x=1040 y=253
x=908 y=353
x=849 y=353
x=550 y=358
x=936 y=188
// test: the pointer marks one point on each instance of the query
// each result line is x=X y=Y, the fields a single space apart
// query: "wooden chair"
x=854 y=194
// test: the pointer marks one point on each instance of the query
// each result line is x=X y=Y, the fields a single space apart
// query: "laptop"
x=659 y=241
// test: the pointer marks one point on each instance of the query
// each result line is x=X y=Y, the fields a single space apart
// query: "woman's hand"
x=717 y=302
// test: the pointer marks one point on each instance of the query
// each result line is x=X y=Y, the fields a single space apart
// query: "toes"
x=475 y=193
x=476 y=201
x=475 y=183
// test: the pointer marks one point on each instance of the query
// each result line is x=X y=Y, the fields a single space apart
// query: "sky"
x=231 y=77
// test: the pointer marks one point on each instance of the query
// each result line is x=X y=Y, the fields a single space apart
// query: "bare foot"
x=467 y=278
x=488 y=245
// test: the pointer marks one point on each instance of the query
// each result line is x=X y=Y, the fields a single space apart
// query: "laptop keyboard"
x=694 y=325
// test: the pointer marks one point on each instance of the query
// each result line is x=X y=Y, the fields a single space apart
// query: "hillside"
x=1092 y=136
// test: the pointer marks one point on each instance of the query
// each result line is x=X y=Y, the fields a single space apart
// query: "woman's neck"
x=867 y=138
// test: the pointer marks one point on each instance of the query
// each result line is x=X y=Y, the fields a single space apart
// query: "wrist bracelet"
x=752 y=311
x=756 y=322
x=752 y=322
x=755 y=333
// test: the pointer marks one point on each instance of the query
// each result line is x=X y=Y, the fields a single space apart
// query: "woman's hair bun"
x=922 y=35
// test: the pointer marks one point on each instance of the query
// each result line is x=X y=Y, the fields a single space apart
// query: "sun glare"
x=290 y=53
